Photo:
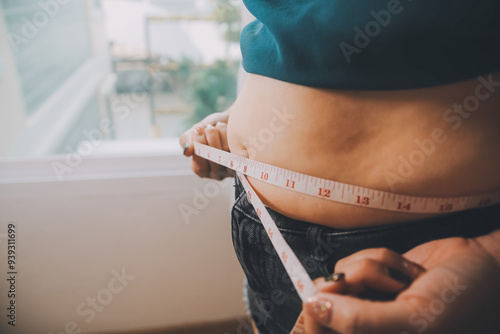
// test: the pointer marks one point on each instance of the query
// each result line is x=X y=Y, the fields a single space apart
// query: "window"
x=49 y=41
x=150 y=68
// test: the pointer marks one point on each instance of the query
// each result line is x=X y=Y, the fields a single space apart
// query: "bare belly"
x=439 y=141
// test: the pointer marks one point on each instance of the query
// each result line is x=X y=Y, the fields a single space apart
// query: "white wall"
x=71 y=235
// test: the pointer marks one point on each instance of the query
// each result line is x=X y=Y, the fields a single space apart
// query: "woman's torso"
x=422 y=142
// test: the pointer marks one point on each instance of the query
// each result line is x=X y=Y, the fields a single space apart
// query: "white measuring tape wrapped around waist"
x=329 y=190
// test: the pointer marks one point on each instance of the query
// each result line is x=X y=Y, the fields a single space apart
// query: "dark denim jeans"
x=271 y=298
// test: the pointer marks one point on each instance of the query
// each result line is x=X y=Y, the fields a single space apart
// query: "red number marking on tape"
x=363 y=200
x=324 y=192
x=446 y=207
x=300 y=285
x=484 y=202
x=404 y=207
x=284 y=257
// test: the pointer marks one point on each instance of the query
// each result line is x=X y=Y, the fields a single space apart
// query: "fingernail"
x=198 y=130
x=413 y=269
x=417 y=271
x=209 y=126
x=335 y=277
x=219 y=124
x=320 y=307
x=185 y=147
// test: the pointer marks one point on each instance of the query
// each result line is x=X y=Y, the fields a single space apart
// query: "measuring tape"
x=329 y=190
x=342 y=192
x=298 y=275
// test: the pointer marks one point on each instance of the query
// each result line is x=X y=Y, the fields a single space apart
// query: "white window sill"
x=105 y=160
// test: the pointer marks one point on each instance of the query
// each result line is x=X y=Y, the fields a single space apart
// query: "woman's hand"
x=365 y=273
x=212 y=131
x=458 y=293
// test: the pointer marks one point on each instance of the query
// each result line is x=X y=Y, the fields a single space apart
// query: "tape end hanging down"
x=298 y=275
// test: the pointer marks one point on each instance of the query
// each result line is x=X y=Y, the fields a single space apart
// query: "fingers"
x=222 y=127
x=347 y=314
x=335 y=283
x=363 y=274
x=370 y=274
x=377 y=274
x=384 y=256
x=312 y=326
x=199 y=165
x=185 y=140
x=213 y=138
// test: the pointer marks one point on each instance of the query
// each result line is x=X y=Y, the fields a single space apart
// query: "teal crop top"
x=372 y=44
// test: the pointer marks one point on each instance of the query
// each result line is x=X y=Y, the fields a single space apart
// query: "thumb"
x=348 y=314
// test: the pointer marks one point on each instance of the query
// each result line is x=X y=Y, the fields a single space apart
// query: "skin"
x=357 y=137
